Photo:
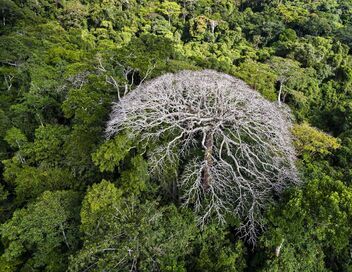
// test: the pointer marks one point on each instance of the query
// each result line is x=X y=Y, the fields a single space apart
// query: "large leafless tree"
x=235 y=146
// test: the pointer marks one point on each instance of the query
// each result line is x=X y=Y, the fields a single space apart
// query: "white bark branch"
x=246 y=142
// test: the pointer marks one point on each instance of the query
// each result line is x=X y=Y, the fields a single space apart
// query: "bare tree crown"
x=245 y=153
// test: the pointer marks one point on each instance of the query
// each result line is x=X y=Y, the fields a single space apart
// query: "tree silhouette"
x=235 y=146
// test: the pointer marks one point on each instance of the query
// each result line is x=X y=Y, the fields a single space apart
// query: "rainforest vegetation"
x=76 y=198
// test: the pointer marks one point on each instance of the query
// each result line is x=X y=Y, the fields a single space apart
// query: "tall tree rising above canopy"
x=235 y=146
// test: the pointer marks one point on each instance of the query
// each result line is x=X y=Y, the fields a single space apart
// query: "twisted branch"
x=246 y=142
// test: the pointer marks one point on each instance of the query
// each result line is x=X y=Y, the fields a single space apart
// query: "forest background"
x=70 y=200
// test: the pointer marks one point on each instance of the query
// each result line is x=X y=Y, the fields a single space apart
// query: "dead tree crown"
x=246 y=147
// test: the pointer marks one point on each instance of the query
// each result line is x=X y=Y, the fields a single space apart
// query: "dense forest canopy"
x=73 y=200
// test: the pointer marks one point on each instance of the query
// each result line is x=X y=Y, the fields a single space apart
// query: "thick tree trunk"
x=206 y=178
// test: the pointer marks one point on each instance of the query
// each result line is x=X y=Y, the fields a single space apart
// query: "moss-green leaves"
x=110 y=153
x=312 y=141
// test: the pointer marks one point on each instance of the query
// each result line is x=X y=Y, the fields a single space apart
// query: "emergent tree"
x=235 y=147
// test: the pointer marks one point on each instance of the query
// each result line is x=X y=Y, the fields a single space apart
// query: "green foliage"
x=259 y=76
x=30 y=182
x=100 y=198
x=84 y=105
x=73 y=14
x=62 y=63
x=110 y=154
x=313 y=142
x=122 y=233
x=10 y=12
x=215 y=252
x=147 y=52
x=15 y=138
x=47 y=148
x=3 y=193
x=40 y=237
x=135 y=178
x=319 y=230
x=170 y=9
